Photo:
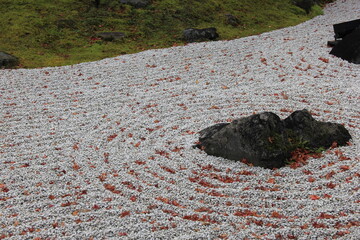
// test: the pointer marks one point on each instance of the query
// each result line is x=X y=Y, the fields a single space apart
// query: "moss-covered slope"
x=53 y=33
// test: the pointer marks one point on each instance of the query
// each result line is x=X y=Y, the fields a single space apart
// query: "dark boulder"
x=110 y=36
x=8 y=60
x=232 y=20
x=344 y=28
x=267 y=141
x=315 y=134
x=136 y=3
x=305 y=4
x=349 y=47
x=193 y=34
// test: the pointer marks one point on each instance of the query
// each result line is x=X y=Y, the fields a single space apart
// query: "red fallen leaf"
x=331 y=185
x=138 y=162
x=193 y=217
x=330 y=174
x=285 y=110
x=122 y=234
x=334 y=145
x=194 y=179
x=326 y=216
x=3 y=188
x=216 y=194
x=177 y=149
x=246 y=213
x=109 y=187
x=51 y=197
x=307 y=172
x=129 y=185
x=96 y=207
x=311 y=179
x=319 y=225
x=133 y=198
x=275 y=214
x=314 y=197
x=284 y=95
x=271 y=180
x=137 y=144
x=106 y=157
x=172 y=213
x=75 y=166
x=327 y=196
x=342 y=233
x=329 y=103
x=345 y=167
x=68 y=204
x=203 y=209
x=343 y=158
x=305 y=226
x=245 y=172
x=177 y=204
x=225 y=179
x=223 y=236
x=190 y=132
x=167 y=169
x=214 y=107
x=124 y=214
x=75 y=146
x=325 y=60
x=102 y=177
x=163 y=199
x=111 y=137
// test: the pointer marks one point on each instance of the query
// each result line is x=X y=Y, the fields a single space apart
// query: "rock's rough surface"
x=232 y=20
x=315 y=134
x=267 y=141
x=349 y=48
x=305 y=4
x=8 y=60
x=193 y=34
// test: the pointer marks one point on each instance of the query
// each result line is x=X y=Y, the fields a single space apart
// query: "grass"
x=54 y=33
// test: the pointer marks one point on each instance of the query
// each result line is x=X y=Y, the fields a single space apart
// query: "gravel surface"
x=103 y=150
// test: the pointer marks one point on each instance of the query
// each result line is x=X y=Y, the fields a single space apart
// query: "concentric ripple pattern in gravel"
x=102 y=150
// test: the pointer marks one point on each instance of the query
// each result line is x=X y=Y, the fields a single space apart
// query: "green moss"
x=53 y=33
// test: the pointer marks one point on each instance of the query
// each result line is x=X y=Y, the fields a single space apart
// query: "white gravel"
x=102 y=150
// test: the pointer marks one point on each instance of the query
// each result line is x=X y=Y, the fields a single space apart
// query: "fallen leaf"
x=111 y=137
x=345 y=167
x=314 y=197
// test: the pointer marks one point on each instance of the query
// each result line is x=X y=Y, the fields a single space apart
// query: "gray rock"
x=267 y=141
x=232 y=20
x=8 y=60
x=349 y=47
x=136 y=3
x=305 y=4
x=111 y=36
x=209 y=131
x=315 y=134
x=193 y=34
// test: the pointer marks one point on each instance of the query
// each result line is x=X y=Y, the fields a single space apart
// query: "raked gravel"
x=103 y=150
